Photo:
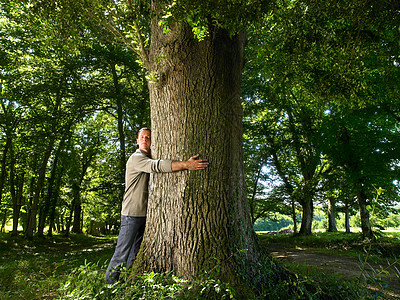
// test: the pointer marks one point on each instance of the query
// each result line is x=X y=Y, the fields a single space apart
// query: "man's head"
x=144 y=140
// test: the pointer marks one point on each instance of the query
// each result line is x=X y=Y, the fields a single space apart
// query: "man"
x=134 y=204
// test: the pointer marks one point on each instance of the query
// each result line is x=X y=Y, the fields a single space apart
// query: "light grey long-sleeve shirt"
x=138 y=169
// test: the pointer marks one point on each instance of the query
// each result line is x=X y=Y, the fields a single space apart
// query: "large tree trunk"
x=331 y=214
x=198 y=219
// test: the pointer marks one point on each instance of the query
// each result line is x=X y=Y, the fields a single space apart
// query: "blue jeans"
x=128 y=245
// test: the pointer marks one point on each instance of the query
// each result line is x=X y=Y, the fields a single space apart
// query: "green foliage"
x=278 y=223
x=233 y=16
x=82 y=100
x=320 y=108
x=87 y=282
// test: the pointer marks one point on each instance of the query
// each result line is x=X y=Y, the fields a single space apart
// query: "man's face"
x=144 y=141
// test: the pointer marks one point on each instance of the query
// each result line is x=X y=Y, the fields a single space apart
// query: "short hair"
x=143 y=129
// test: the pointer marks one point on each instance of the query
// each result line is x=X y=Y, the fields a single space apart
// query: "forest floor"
x=347 y=267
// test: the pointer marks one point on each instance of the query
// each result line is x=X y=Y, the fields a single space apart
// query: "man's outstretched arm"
x=192 y=164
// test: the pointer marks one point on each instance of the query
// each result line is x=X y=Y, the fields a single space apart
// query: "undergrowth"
x=87 y=282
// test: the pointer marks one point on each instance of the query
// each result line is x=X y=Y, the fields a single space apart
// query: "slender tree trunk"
x=331 y=214
x=39 y=186
x=4 y=221
x=76 y=202
x=347 y=219
x=50 y=189
x=69 y=221
x=60 y=223
x=364 y=215
x=252 y=203
x=198 y=219
x=294 y=218
x=42 y=217
x=121 y=133
x=53 y=204
x=3 y=170
x=16 y=187
x=77 y=209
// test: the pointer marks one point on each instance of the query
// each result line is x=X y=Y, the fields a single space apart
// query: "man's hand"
x=192 y=164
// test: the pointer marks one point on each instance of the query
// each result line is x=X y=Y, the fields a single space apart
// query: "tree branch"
x=144 y=53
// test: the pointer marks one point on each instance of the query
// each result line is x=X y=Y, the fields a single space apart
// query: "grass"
x=387 y=244
x=373 y=255
x=74 y=268
x=36 y=269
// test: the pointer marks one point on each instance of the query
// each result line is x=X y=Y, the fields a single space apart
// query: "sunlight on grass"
x=38 y=267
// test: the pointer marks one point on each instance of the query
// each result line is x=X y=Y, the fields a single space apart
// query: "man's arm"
x=191 y=164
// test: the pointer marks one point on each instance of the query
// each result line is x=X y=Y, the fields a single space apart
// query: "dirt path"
x=329 y=264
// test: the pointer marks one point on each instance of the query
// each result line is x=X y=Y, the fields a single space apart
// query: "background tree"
x=325 y=54
x=54 y=83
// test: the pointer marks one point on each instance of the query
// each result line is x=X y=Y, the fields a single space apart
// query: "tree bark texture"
x=198 y=219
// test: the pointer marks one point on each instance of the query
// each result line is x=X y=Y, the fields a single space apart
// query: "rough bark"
x=197 y=220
